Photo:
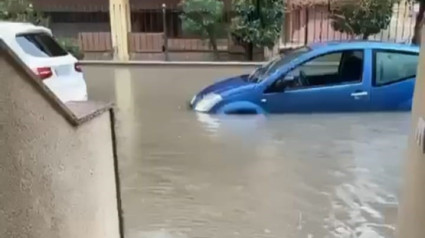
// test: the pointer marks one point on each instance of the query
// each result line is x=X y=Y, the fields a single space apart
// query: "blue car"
x=350 y=76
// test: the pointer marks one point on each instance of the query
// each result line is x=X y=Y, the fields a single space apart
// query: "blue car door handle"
x=357 y=94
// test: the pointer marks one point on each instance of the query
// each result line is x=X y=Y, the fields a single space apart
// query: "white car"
x=37 y=48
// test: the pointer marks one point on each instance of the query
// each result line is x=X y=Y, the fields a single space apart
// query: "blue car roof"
x=344 y=45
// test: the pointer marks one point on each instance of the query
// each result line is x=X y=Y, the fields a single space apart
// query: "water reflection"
x=294 y=176
x=232 y=125
x=350 y=169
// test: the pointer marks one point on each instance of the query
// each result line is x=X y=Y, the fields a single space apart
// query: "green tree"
x=71 y=45
x=363 y=17
x=204 y=18
x=420 y=20
x=257 y=23
x=21 y=11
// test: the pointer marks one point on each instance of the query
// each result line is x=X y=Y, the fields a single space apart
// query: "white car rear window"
x=40 y=45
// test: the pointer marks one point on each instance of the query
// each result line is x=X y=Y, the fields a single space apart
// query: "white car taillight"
x=78 y=67
x=44 y=72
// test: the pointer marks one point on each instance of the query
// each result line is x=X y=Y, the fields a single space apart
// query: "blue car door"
x=393 y=76
x=332 y=82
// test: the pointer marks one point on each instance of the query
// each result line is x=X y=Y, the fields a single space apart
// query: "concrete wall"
x=412 y=211
x=57 y=173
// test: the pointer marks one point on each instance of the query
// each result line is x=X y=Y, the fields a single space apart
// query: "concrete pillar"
x=287 y=31
x=411 y=222
x=120 y=20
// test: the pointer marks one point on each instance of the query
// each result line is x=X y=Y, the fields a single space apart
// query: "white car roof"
x=11 y=29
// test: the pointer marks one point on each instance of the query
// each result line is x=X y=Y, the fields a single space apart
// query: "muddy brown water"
x=304 y=176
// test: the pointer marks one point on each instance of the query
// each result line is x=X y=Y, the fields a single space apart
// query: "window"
x=391 y=67
x=284 y=59
x=40 y=45
x=273 y=65
x=329 y=69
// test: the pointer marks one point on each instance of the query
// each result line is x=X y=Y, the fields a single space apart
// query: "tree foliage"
x=204 y=18
x=71 y=46
x=257 y=23
x=363 y=17
x=21 y=11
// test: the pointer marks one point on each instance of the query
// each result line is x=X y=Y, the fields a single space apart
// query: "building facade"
x=68 y=18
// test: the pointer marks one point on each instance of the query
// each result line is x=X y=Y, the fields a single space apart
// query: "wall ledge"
x=170 y=63
x=86 y=110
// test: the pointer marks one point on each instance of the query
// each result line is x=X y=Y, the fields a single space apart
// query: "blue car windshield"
x=269 y=68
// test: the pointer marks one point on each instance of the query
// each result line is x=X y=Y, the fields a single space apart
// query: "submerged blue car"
x=323 y=77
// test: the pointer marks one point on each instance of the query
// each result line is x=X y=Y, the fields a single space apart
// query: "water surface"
x=304 y=176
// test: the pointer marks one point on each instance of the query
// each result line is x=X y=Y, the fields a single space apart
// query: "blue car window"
x=327 y=64
x=284 y=59
x=391 y=67
x=329 y=69
x=269 y=68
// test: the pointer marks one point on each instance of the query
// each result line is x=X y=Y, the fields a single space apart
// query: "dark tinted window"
x=392 y=66
x=40 y=45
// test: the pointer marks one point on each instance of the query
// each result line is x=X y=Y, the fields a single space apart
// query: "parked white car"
x=38 y=49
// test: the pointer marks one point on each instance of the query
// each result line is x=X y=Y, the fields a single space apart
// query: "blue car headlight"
x=208 y=102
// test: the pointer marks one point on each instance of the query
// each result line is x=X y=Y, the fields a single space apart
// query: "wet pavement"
x=304 y=176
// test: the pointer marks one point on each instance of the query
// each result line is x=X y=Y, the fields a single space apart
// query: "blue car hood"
x=225 y=85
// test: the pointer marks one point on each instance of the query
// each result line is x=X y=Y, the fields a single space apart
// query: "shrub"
x=72 y=47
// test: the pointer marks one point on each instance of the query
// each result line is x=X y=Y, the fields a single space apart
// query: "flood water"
x=294 y=176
